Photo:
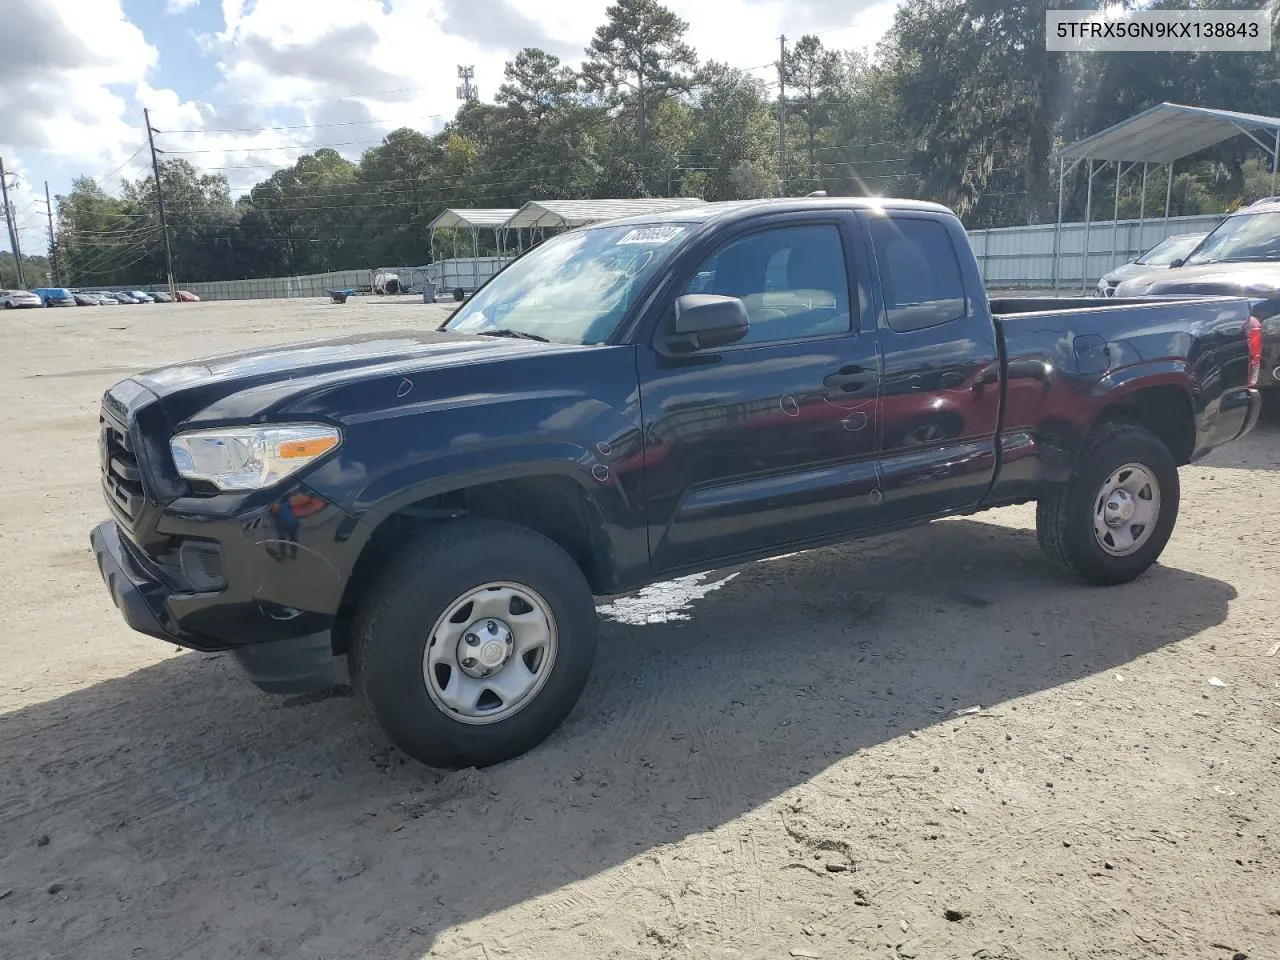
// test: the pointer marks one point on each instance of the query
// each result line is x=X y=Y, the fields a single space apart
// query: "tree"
x=812 y=71
x=977 y=89
x=732 y=138
x=537 y=85
x=544 y=145
x=34 y=268
x=637 y=59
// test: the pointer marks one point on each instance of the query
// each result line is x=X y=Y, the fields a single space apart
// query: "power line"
x=94 y=262
x=116 y=266
x=128 y=160
x=305 y=147
x=300 y=126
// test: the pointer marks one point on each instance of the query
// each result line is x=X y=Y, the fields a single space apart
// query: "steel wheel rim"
x=503 y=670
x=1126 y=509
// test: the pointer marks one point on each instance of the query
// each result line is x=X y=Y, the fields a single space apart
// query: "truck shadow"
x=188 y=812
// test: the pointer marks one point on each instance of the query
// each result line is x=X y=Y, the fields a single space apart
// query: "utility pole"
x=12 y=225
x=53 y=247
x=782 y=115
x=164 y=226
x=466 y=89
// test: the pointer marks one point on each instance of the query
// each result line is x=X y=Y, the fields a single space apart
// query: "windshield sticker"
x=650 y=235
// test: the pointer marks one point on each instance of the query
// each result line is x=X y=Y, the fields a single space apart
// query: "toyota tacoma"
x=626 y=403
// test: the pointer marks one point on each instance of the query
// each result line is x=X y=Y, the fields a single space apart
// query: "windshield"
x=574 y=288
x=1167 y=251
x=1250 y=236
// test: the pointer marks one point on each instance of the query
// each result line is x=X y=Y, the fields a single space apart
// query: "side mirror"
x=1174 y=264
x=704 y=320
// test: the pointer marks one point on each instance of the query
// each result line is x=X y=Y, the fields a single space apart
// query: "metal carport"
x=564 y=214
x=1161 y=135
x=473 y=221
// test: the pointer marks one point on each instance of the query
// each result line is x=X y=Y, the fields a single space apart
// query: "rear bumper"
x=288 y=663
x=1247 y=399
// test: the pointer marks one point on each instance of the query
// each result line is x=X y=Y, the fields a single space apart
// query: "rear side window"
x=919 y=273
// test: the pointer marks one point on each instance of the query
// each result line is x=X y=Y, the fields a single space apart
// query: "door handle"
x=988 y=377
x=848 y=379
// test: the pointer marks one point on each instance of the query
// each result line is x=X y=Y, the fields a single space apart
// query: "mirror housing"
x=704 y=320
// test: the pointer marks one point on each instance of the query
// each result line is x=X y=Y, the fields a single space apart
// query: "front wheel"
x=1113 y=517
x=474 y=644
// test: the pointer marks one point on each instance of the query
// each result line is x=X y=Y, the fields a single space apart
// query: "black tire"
x=414 y=589
x=1064 y=518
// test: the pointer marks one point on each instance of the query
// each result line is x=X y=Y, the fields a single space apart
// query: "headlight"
x=249 y=458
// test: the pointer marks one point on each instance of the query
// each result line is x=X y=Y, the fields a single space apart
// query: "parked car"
x=842 y=373
x=161 y=297
x=1239 y=257
x=14 y=299
x=1161 y=255
x=123 y=296
x=106 y=299
x=141 y=296
x=86 y=299
x=186 y=296
x=55 y=296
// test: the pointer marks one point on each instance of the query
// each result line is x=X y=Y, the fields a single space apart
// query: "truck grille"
x=121 y=476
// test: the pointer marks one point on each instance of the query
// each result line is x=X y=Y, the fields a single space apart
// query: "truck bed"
x=1064 y=355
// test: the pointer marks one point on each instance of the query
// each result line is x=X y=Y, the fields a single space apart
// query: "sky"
x=244 y=87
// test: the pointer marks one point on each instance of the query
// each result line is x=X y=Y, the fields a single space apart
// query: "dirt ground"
x=770 y=761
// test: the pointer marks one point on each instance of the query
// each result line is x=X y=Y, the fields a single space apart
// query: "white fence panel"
x=1023 y=256
x=1010 y=257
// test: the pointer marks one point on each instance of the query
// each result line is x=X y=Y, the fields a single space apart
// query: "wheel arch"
x=552 y=502
x=1165 y=407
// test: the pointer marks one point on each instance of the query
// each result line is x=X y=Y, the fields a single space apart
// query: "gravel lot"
x=768 y=762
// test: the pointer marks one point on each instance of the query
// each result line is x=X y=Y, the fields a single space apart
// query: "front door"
x=769 y=441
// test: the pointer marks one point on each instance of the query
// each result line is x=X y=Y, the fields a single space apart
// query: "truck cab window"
x=792 y=280
x=919 y=273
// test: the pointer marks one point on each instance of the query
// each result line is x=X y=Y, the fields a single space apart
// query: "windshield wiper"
x=517 y=334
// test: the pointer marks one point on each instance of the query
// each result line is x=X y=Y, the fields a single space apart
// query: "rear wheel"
x=1113 y=517
x=474 y=644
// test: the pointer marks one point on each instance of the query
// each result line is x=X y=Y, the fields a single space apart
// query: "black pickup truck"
x=625 y=403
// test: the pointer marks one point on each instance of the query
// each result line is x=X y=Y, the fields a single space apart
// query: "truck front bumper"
x=290 y=657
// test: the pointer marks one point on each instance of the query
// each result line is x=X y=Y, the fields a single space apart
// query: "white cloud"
x=63 y=98
x=174 y=7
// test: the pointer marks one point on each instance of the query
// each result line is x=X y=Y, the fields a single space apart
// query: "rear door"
x=940 y=392
x=770 y=440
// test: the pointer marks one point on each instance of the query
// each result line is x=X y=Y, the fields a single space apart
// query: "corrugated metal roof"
x=1168 y=132
x=461 y=217
x=575 y=213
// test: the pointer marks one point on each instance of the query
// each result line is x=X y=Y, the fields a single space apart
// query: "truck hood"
x=1128 y=271
x=239 y=383
x=1210 y=279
